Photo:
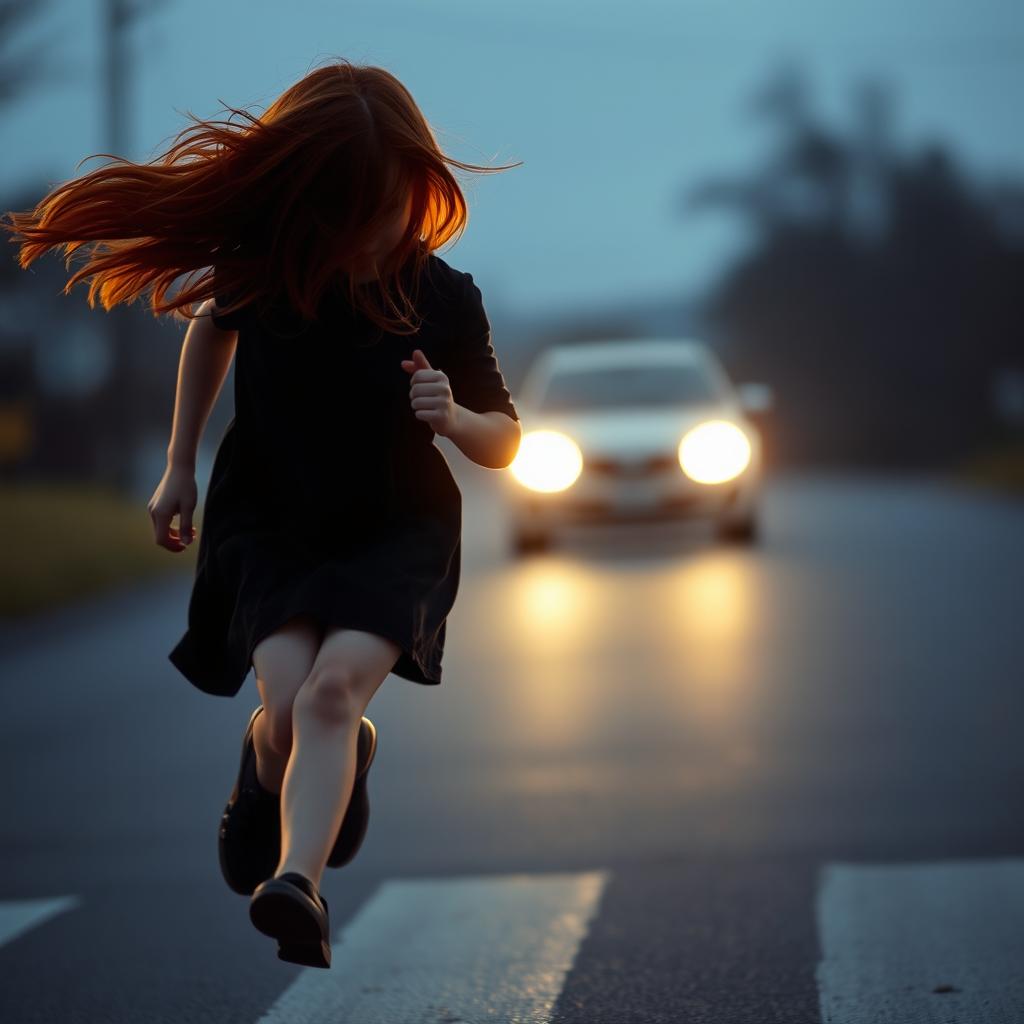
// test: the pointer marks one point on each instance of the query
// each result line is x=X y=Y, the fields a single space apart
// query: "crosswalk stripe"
x=450 y=949
x=923 y=942
x=20 y=916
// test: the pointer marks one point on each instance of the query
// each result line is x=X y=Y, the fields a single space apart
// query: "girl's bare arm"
x=489 y=439
x=205 y=358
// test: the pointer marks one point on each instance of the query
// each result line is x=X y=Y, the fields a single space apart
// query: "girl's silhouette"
x=330 y=549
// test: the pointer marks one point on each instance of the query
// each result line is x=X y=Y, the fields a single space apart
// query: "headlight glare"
x=714 y=451
x=547 y=460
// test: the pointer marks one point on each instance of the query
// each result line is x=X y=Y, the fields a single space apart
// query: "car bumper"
x=671 y=495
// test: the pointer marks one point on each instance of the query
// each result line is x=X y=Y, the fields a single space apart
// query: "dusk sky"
x=613 y=109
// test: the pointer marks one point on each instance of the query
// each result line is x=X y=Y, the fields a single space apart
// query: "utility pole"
x=120 y=405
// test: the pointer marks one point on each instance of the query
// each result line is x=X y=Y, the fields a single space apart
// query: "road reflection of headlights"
x=714 y=451
x=548 y=460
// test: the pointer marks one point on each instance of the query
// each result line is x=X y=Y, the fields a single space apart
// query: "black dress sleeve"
x=473 y=371
x=226 y=321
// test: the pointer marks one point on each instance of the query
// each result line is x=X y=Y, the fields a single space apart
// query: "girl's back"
x=323 y=424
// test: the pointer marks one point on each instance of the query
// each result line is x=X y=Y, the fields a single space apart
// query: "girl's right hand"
x=176 y=494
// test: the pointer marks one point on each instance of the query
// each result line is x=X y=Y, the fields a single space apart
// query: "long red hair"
x=278 y=207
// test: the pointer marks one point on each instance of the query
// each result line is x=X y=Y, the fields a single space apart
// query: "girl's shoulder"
x=455 y=289
x=445 y=281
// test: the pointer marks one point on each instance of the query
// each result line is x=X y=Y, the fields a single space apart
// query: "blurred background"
x=831 y=197
x=825 y=201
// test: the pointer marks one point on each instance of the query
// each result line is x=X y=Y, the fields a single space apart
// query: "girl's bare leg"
x=282 y=662
x=349 y=667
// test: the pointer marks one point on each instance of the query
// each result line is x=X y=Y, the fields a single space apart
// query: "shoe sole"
x=290 y=916
x=359 y=803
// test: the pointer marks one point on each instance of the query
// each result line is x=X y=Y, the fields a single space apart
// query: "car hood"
x=632 y=431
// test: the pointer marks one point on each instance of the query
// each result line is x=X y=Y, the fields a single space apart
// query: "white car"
x=634 y=429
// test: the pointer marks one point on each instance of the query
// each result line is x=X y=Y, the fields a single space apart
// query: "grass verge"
x=63 y=542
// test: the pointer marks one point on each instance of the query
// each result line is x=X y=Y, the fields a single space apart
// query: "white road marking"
x=20 y=916
x=430 y=951
x=893 y=936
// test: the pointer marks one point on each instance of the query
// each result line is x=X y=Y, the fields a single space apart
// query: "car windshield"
x=623 y=386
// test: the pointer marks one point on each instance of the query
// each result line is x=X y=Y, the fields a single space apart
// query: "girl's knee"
x=331 y=693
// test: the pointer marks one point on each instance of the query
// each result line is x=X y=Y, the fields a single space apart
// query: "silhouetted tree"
x=882 y=292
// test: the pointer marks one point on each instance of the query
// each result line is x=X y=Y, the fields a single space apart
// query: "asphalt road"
x=662 y=780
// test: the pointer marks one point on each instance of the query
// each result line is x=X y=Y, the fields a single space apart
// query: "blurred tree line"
x=58 y=416
x=81 y=389
x=881 y=295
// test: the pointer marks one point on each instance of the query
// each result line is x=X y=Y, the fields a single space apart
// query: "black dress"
x=327 y=496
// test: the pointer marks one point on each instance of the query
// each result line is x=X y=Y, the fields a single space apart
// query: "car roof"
x=622 y=352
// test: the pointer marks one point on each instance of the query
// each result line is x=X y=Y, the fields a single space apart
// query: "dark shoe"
x=289 y=909
x=352 y=830
x=249 y=838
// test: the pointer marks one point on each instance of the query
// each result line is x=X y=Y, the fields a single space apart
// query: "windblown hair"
x=280 y=207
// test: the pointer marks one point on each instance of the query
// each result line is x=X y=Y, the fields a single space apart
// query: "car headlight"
x=547 y=460
x=714 y=451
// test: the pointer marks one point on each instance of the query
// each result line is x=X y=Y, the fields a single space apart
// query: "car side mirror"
x=755 y=397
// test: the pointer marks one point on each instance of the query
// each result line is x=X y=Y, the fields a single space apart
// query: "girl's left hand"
x=431 y=394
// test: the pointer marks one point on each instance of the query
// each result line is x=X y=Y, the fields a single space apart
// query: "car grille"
x=650 y=465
